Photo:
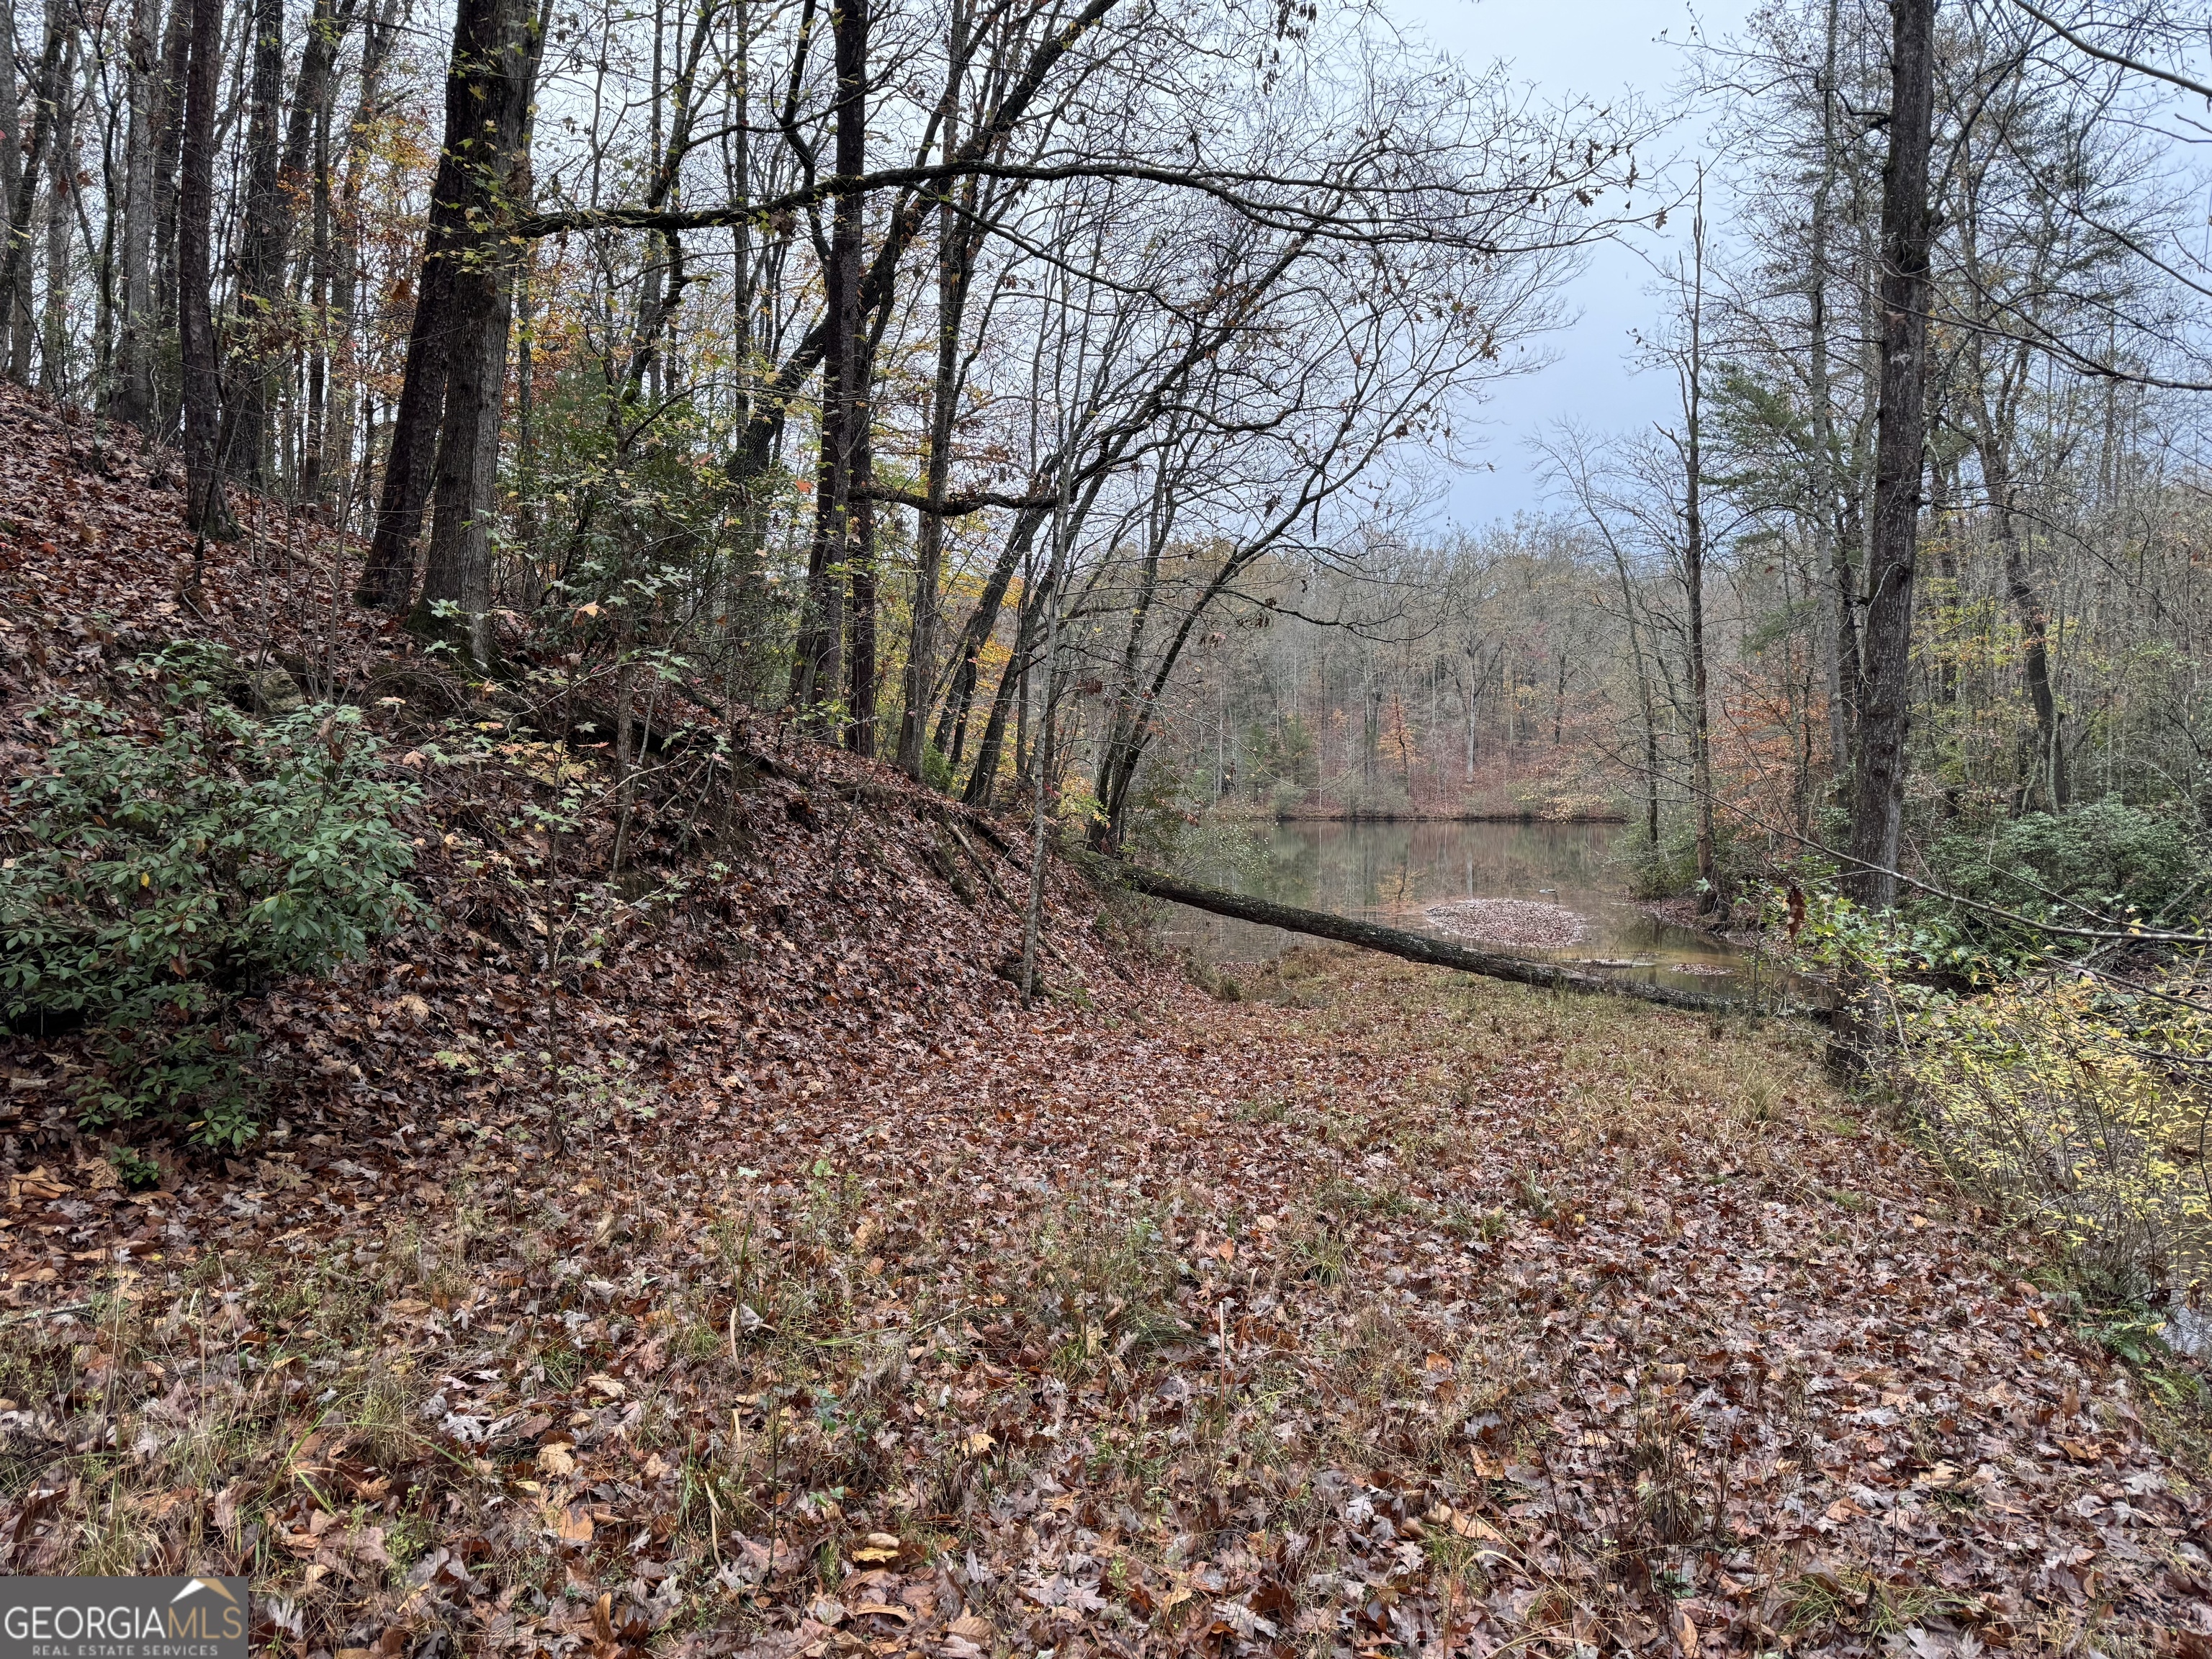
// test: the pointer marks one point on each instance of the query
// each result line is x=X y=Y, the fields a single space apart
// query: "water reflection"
x=1393 y=872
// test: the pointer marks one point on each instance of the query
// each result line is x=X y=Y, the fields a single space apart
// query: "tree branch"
x=2113 y=58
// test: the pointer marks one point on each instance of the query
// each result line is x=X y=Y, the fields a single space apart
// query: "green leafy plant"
x=136 y=1171
x=2101 y=858
x=154 y=876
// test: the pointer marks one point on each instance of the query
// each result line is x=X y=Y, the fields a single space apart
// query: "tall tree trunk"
x=817 y=673
x=860 y=677
x=952 y=721
x=985 y=776
x=459 y=569
x=378 y=33
x=387 y=578
x=1907 y=224
x=1646 y=703
x=202 y=388
x=304 y=170
x=15 y=263
x=1124 y=744
x=260 y=321
x=954 y=271
x=12 y=142
x=501 y=48
x=955 y=263
x=61 y=189
x=2047 y=784
x=1710 y=896
x=1826 y=518
x=133 y=397
x=168 y=156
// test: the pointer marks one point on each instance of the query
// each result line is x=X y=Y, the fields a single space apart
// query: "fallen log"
x=1399 y=942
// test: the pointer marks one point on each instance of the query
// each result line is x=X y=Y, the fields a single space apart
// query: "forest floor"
x=1385 y=1309
x=818 y=1298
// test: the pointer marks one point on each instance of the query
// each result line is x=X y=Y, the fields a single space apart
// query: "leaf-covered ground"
x=721 y=1260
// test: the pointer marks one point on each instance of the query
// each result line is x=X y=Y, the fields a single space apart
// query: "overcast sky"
x=1564 y=47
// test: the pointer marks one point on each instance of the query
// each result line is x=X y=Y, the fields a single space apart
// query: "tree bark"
x=387 y=578
x=132 y=400
x=818 y=671
x=954 y=266
x=984 y=777
x=11 y=172
x=1116 y=760
x=1907 y=224
x=501 y=50
x=61 y=187
x=15 y=264
x=168 y=154
x=2047 y=784
x=1710 y=896
x=860 y=655
x=203 y=387
x=379 y=31
x=261 y=253
x=1843 y=652
x=302 y=170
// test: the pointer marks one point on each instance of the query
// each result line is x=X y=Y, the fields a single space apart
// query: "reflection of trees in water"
x=1401 y=868
x=1395 y=866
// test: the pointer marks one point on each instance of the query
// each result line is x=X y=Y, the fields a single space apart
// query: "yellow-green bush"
x=2091 y=1108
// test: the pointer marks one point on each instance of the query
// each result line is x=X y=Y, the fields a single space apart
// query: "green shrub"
x=154 y=876
x=936 y=770
x=2105 y=857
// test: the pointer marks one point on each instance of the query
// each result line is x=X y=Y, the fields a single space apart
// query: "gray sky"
x=1562 y=47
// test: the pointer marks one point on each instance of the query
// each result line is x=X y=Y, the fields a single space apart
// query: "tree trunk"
x=61 y=189
x=499 y=53
x=202 y=388
x=12 y=139
x=1709 y=896
x=818 y=671
x=261 y=253
x=1645 y=704
x=2048 y=783
x=15 y=263
x=132 y=400
x=984 y=777
x=168 y=154
x=955 y=263
x=1878 y=796
x=1394 y=941
x=378 y=34
x=860 y=675
x=1843 y=652
x=952 y=720
x=472 y=77
x=303 y=172
x=458 y=573
x=1117 y=759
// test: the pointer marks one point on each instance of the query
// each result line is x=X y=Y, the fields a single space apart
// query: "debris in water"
x=1526 y=922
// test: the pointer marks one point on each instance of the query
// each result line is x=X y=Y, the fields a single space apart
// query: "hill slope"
x=755 y=1275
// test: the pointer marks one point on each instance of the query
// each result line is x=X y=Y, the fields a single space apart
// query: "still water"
x=1412 y=875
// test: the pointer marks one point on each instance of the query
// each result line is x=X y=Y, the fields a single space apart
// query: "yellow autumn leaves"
x=2092 y=1108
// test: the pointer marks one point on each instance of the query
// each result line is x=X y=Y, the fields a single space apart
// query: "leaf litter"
x=759 y=1277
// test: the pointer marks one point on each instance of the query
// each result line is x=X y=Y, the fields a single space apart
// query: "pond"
x=1555 y=891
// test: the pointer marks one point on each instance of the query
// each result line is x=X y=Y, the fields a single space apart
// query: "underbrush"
x=2099 y=863
x=163 y=862
x=2084 y=1108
